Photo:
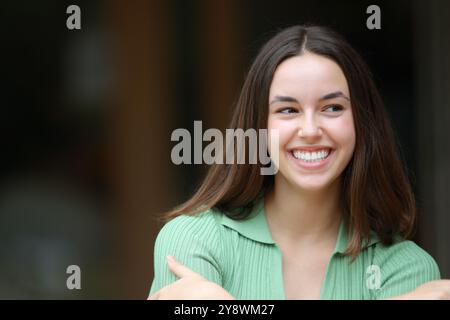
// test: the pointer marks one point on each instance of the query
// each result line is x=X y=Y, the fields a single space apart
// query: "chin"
x=311 y=188
x=311 y=183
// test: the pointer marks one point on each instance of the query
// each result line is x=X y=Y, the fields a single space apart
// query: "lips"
x=311 y=149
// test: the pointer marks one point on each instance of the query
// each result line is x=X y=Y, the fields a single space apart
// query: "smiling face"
x=309 y=104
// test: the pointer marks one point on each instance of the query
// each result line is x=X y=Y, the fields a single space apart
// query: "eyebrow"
x=332 y=95
x=336 y=94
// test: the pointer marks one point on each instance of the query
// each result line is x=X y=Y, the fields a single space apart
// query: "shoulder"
x=203 y=227
x=198 y=225
x=405 y=253
x=194 y=241
x=403 y=267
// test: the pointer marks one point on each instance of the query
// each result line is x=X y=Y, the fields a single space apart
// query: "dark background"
x=86 y=119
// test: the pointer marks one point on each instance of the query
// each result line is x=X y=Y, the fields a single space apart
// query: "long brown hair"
x=375 y=190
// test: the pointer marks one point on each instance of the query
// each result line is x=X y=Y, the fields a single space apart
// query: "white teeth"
x=311 y=156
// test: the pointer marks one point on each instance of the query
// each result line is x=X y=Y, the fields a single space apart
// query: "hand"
x=190 y=286
x=433 y=290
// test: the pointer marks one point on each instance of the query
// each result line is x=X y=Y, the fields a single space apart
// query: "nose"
x=309 y=127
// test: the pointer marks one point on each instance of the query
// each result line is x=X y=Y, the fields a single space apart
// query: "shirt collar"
x=255 y=228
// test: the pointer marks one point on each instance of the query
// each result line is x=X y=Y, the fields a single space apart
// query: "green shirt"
x=242 y=257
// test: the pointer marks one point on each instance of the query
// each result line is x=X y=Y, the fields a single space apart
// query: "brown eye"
x=287 y=110
x=335 y=108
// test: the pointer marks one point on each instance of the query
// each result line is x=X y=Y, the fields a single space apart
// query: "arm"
x=433 y=290
x=195 y=242
x=193 y=286
x=407 y=272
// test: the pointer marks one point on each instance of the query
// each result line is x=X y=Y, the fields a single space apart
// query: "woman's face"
x=309 y=104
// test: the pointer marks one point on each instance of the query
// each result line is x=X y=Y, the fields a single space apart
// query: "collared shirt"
x=242 y=257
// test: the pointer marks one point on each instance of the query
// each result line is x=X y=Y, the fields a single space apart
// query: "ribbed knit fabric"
x=242 y=257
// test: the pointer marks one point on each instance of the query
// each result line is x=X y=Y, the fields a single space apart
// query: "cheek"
x=285 y=130
x=343 y=132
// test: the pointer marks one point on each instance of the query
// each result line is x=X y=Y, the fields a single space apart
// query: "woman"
x=332 y=223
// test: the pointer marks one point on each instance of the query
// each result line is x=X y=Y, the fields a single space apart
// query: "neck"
x=296 y=215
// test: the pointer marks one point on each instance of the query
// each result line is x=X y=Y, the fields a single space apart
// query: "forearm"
x=433 y=290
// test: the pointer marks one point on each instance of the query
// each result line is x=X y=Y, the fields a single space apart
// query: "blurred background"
x=86 y=119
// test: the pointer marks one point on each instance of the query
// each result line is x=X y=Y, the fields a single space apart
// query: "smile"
x=311 y=156
x=311 y=159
